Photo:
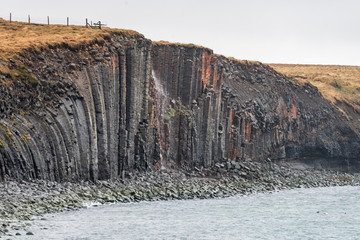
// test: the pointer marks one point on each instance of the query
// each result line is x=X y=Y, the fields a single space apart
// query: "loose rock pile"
x=24 y=200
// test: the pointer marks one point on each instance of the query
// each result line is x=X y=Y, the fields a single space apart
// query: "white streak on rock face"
x=161 y=101
x=158 y=86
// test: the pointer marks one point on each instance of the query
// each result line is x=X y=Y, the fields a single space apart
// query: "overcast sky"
x=270 y=31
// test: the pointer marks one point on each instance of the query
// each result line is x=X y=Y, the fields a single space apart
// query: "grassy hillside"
x=340 y=83
x=17 y=37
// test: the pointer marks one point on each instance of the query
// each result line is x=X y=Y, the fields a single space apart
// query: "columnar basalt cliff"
x=85 y=114
x=108 y=108
x=240 y=109
x=191 y=82
x=278 y=119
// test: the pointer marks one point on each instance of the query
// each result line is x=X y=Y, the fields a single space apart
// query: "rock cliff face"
x=125 y=104
x=242 y=110
x=85 y=114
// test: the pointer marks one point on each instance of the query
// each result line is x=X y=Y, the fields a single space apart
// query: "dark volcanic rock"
x=128 y=104
x=245 y=109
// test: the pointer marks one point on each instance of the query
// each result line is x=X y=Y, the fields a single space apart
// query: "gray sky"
x=271 y=31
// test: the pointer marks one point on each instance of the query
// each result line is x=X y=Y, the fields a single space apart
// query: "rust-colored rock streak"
x=110 y=108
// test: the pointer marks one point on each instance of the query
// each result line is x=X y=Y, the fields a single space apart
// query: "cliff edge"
x=116 y=102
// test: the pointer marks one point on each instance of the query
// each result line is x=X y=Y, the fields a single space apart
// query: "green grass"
x=169 y=113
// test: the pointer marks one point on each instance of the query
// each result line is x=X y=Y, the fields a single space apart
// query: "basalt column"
x=191 y=83
x=91 y=122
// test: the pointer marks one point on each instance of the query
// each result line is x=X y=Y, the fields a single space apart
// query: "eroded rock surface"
x=126 y=104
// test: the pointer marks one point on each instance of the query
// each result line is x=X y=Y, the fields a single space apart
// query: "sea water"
x=317 y=213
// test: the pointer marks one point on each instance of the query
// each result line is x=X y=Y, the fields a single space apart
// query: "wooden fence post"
x=10 y=17
x=67 y=21
x=86 y=22
x=29 y=18
x=48 y=20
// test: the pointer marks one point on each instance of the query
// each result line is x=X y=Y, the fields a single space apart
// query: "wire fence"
x=56 y=21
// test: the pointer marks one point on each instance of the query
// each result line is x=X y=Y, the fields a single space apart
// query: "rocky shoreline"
x=24 y=200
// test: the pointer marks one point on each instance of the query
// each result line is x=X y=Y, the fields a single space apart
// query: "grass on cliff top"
x=17 y=37
x=189 y=45
x=335 y=82
x=247 y=62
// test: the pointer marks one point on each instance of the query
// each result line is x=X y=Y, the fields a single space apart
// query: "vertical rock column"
x=97 y=130
x=192 y=81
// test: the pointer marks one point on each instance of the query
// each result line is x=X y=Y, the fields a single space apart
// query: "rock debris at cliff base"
x=25 y=200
